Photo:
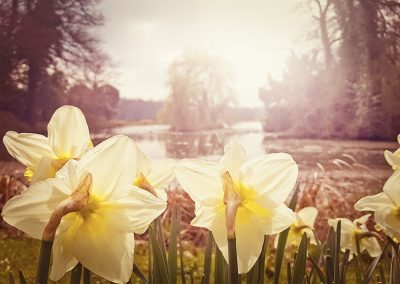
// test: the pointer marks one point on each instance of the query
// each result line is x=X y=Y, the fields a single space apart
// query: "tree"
x=200 y=92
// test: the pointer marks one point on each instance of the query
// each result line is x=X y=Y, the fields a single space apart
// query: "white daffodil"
x=386 y=206
x=351 y=230
x=394 y=158
x=304 y=223
x=260 y=186
x=68 y=138
x=153 y=176
x=106 y=209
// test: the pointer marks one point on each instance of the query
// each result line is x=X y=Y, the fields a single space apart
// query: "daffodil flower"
x=68 y=138
x=304 y=223
x=259 y=188
x=351 y=230
x=394 y=158
x=106 y=209
x=386 y=206
x=153 y=176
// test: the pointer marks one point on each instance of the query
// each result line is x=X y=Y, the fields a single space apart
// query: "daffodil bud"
x=75 y=202
x=232 y=201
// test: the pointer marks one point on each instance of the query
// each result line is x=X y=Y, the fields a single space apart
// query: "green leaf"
x=337 y=252
x=42 y=273
x=182 y=266
x=86 y=276
x=21 y=277
x=300 y=263
x=233 y=265
x=329 y=267
x=219 y=267
x=374 y=264
x=11 y=278
x=173 y=250
x=139 y=273
x=208 y=259
x=76 y=274
x=318 y=270
x=382 y=275
x=160 y=261
x=345 y=264
x=289 y=273
x=394 y=268
x=280 y=250
x=358 y=261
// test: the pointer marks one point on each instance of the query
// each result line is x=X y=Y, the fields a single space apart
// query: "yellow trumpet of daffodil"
x=351 y=230
x=252 y=192
x=68 y=138
x=305 y=219
x=394 y=158
x=91 y=211
x=386 y=206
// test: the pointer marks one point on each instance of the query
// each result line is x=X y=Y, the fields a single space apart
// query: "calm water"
x=157 y=142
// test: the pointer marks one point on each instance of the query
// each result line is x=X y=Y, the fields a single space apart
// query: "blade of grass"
x=182 y=266
x=318 y=270
x=208 y=258
x=289 y=274
x=173 y=250
x=358 y=259
x=86 y=276
x=337 y=252
x=374 y=264
x=219 y=270
x=160 y=261
x=11 y=278
x=301 y=261
x=21 y=277
x=382 y=275
x=76 y=274
x=139 y=273
x=329 y=267
x=42 y=273
x=280 y=250
x=345 y=264
x=261 y=262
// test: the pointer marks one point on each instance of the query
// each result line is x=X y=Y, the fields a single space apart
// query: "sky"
x=254 y=37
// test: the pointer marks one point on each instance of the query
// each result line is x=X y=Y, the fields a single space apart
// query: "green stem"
x=42 y=273
x=233 y=265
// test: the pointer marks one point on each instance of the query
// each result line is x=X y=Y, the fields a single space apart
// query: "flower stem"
x=233 y=265
x=42 y=273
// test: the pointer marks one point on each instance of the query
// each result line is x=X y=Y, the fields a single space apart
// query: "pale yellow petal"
x=308 y=215
x=392 y=159
x=68 y=132
x=392 y=188
x=63 y=260
x=248 y=248
x=371 y=245
x=218 y=229
x=142 y=163
x=162 y=173
x=43 y=170
x=273 y=174
x=27 y=148
x=141 y=208
x=102 y=242
x=200 y=179
x=234 y=157
x=373 y=202
x=281 y=218
x=110 y=164
x=388 y=219
x=362 y=220
x=30 y=211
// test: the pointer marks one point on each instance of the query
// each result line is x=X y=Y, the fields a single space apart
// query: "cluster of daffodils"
x=386 y=205
x=90 y=200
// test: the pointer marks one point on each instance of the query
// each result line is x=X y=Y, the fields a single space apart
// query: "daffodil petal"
x=142 y=162
x=162 y=173
x=27 y=148
x=110 y=164
x=308 y=215
x=388 y=219
x=248 y=250
x=68 y=132
x=362 y=220
x=281 y=218
x=141 y=208
x=373 y=202
x=234 y=157
x=43 y=170
x=30 y=211
x=63 y=260
x=392 y=159
x=371 y=245
x=392 y=188
x=200 y=179
x=102 y=242
x=346 y=225
x=273 y=174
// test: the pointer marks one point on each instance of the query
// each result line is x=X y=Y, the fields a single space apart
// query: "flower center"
x=91 y=208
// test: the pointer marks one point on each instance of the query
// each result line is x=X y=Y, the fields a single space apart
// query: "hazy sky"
x=255 y=37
